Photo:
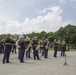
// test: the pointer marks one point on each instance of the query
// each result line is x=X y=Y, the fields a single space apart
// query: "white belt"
x=7 y=43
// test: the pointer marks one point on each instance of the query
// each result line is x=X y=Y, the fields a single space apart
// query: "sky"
x=27 y=16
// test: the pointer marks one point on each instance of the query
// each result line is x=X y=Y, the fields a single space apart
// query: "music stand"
x=65 y=64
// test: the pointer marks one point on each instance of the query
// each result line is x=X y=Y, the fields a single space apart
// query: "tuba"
x=17 y=45
x=38 y=46
x=29 y=45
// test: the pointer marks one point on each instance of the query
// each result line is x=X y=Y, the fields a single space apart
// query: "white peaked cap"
x=21 y=36
x=27 y=38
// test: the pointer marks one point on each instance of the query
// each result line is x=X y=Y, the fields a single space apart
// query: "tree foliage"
x=67 y=33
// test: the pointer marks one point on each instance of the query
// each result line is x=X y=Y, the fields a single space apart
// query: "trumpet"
x=29 y=45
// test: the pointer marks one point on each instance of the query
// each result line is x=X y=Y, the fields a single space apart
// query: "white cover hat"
x=21 y=36
x=27 y=38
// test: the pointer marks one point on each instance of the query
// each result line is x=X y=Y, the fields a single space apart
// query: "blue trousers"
x=55 y=52
x=14 y=50
x=22 y=52
x=0 y=50
x=45 y=53
x=63 y=51
x=28 y=53
x=35 y=54
x=6 y=55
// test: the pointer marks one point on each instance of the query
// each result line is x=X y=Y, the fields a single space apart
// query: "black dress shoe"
x=38 y=59
x=8 y=62
x=29 y=57
x=3 y=62
x=21 y=61
x=55 y=56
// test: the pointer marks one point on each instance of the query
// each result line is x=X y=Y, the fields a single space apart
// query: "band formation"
x=25 y=46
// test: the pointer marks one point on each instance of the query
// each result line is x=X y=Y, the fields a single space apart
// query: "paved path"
x=50 y=66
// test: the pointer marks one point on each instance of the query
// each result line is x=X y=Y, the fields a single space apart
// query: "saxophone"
x=29 y=45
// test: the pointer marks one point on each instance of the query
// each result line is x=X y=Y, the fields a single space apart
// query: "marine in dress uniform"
x=46 y=47
x=0 y=46
x=8 y=46
x=63 y=48
x=55 y=47
x=41 y=46
x=35 y=51
x=21 y=43
x=28 y=47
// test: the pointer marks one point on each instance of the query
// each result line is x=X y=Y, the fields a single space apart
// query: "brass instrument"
x=47 y=47
x=29 y=45
x=38 y=46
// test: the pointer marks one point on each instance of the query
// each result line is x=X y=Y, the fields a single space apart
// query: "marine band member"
x=63 y=48
x=7 y=49
x=41 y=47
x=28 y=45
x=55 y=47
x=46 y=47
x=35 y=51
x=21 y=43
